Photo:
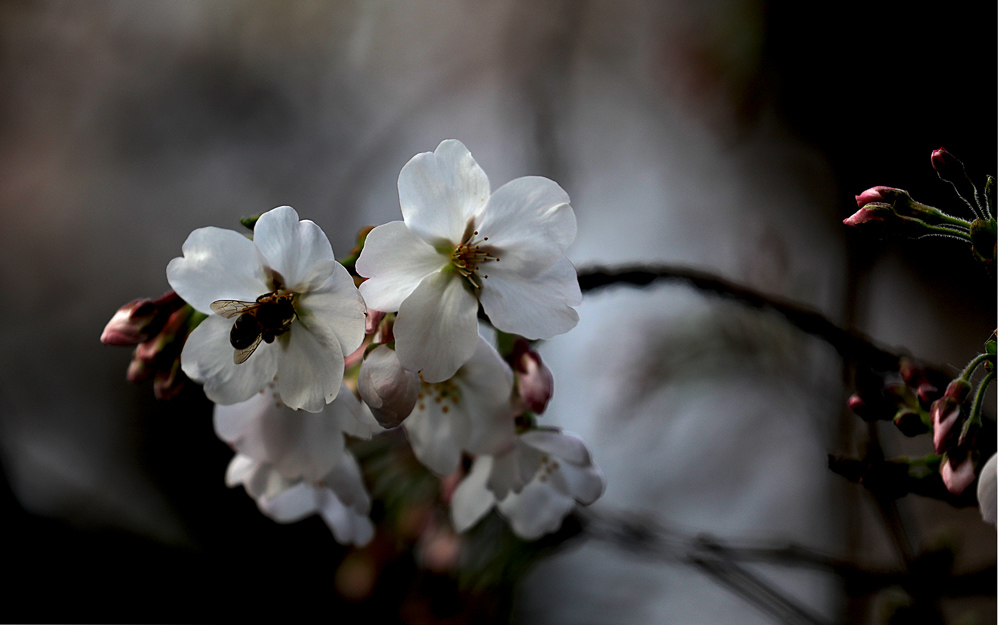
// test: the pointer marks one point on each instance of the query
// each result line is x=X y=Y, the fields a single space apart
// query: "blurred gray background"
x=728 y=135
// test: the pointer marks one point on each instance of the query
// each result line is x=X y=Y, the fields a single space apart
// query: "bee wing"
x=229 y=308
x=240 y=355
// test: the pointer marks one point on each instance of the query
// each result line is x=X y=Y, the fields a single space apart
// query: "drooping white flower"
x=313 y=317
x=472 y=411
x=987 y=490
x=296 y=443
x=534 y=484
x=339 y=497
x=294 y=463
x=459 y=246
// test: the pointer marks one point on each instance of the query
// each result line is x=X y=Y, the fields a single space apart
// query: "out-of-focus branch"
x=726 y=562
x=850 y=344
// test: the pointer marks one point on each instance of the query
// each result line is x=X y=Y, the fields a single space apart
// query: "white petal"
x=485 y=385
x=437 y=437
x=565 y=446
x=291 y=505
x=440 y=193
x=346 y=482
x=297 y=444
x=472 y=500
x=334 y=308
x=239 y=469
x=302 y=444
x=987 y=490
x=295 y=249
x=217 y=264
x=395 y=261
x=352 y=416
x=436 y=329
x=232 y=422
x=310 y=368
x=348 y=527
x=529 y=223
x=584 y=484
x=208 y=358
x=262 y=481
x=537 y=510
x=539 y=308
x=512 y=470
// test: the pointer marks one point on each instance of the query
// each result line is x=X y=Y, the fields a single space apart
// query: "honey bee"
x=263 y=320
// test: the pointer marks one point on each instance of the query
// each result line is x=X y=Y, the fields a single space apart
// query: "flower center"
x=469 y=255
x=442 y=393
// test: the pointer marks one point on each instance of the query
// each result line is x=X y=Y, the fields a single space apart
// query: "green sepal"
x=984 y=238
x=250 y=222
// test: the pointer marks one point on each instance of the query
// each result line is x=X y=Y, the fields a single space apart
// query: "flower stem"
x=973 y=365
x=975 y=415
x=949 y=232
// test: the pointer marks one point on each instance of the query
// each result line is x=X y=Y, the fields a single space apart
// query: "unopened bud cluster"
x=158 y=329
x=887 y=211
x=903 y=396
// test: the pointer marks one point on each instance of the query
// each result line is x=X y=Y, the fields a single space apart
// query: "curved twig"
x=850 y=344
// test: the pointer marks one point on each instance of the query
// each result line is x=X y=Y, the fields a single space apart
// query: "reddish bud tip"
x=927 y=393
x=958 y=473
x=139 y=320
x=132 y=324
x=871 y=214
x=535 y=383
x=882 y=195
x=945 y=416
x=372 y=320
x=946 y=165
x=958 y=389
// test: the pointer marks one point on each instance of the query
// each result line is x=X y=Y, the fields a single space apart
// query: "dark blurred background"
x=728 y=135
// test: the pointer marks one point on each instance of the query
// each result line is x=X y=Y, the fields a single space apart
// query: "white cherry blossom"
x=472 y=411
x=534 y=484
x=294 y=463
x=460 y=246
x=987 y=490
x=296 y=443
x=339 y=497
x=287 y=260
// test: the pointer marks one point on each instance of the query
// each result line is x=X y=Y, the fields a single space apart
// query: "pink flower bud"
x=946 y=165
x=927 y=393
x=958 y=473
x=883 y=195
x=139 y=320
x=372 y=320
x=388 y=389
x=138 y=370
x=131 y=325
x=534 y=380
x=877 y=214
x=958 y=389
x=945 y=415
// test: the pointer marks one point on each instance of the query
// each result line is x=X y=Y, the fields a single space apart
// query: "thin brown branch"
x=850 y=344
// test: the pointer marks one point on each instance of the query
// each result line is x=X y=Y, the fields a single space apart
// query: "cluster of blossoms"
x=280 y=336
x=920 y=401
